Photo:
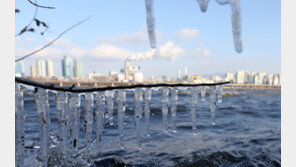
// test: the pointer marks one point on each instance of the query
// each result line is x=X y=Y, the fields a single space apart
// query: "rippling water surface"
x=247 y=133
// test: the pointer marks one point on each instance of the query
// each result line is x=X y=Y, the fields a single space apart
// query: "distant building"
x=251 y=78
x=230 y=77
x=112 y=73
x=78 y=68
x=20 y=69
x=257 y=81
x=93 y=75
x=49 y=66
x=242 y=77
x=261 y=77
x=276 y=80
x=67 y=67
x=131 y=72
x=270 y=79
x=33 y=71
x=41 y=72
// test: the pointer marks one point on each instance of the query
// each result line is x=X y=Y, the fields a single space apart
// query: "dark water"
x=247 y=133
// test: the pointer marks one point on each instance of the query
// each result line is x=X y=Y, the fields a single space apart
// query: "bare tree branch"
x=38 y=50
x=25 y=28
x=40 y=6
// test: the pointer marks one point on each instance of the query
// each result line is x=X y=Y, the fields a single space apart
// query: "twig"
x=23 y=30
x=94 y=89
x=38 y=50
x=35 y=4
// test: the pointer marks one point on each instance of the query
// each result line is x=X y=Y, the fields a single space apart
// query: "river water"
x=247 y=132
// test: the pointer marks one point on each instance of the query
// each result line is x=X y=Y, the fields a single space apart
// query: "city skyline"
x=187 y=37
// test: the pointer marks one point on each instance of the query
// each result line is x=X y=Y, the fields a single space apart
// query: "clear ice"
x=121 y=98
x=19 y=126
x=99 y=114
x=147 y=98
x=138 y=114
x=88 y=121
x=174 y=102
x=41 y=97
x=213 y=104
x=165 y=101
x=193 y=108
x=150 y=23
x=63 y=124
x=109 y=96
x=219 y=93
x=203 y=91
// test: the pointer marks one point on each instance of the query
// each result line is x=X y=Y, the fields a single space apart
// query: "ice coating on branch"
x=193 y=108
x=88 y=120
x=219 y=93
x=165 y=101
x=19 y=126
x=41 y=98
x=109 y=96
x=213 y=104
x=121 y=98
x=74 y=106
x=138 y=114
x=63 y=124
x=150 y=22
x=203 y=90
x=99 y=114
x=174 y=101
x=147 y=98
x=236 y=25
x=203 y=4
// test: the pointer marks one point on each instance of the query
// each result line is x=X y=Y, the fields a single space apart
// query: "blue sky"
x=188 y=37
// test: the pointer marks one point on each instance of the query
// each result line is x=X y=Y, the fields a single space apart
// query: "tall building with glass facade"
x=20 y=68
x=67 y=67
x=78 y=68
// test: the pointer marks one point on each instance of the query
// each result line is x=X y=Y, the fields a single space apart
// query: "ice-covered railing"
x=203 y=4
x=66 y=148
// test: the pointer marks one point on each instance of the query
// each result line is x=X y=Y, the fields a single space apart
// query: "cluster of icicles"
x=67 y=142
x=203 y=4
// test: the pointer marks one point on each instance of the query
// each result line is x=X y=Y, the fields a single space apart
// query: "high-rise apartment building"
x=78 y=68
x=33 y=71
x=49 y=66
x=41 y=68
x=242 y=77
x=67 y=67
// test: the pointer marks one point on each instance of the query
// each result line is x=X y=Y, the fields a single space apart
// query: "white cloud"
x=187 y=34
x=104 y=51
x=60 y=43
x=168 y=51
x=135 y=39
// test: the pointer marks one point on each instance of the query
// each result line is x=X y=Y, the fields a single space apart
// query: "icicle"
x=150 y=22
x=109 y=96
x=121 y=97
x=19 y=126
x=74 y=106
x=165 y=101
x=174 y=101
x=138 y=114
x=236 y=25
x=219 y=93
x=63 y=124
x=203 y=4
x=88 y=120
x=43 y=112
x=99 y=113
x=203 y=90
x=213 y=104
x=193 y=108
x=147 y=96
